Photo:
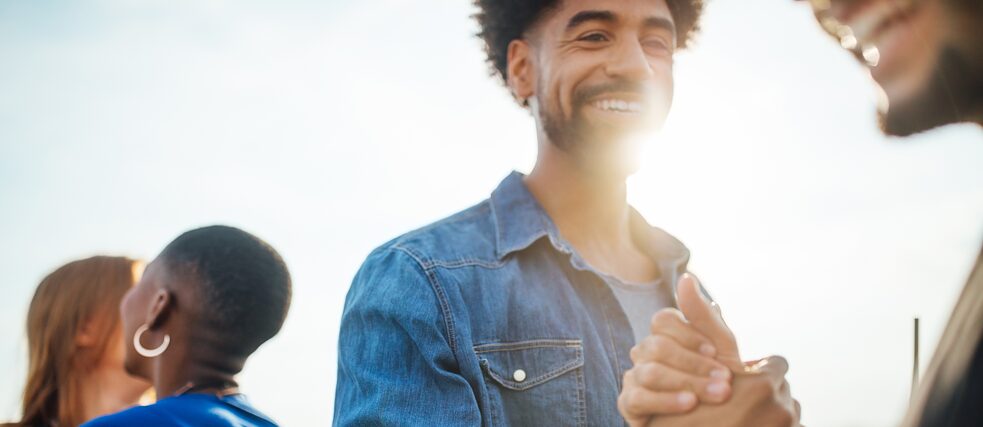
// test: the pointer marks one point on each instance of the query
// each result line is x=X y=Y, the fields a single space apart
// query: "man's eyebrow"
x=608 y=17
x=660 y=23
x=590 y=15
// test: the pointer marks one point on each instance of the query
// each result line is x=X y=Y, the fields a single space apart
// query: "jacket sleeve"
x=395 y=362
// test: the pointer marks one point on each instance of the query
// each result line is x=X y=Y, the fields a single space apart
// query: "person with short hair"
x=522 y=310
x=203 y=306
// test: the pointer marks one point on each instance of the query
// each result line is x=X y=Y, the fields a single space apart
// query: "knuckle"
x=664 y=317
x=624 y=407
x=659 y=352
x=647 y=344
x=659 y=346
x=653 y=347
x=657 y=340
x=650 y=373
x=623 y=402
x=633 y=400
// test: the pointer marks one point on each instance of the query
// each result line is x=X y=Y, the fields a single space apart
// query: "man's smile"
x=883 y=34
x=618 y=106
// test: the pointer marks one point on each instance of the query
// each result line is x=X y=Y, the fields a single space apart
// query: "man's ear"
x=522 y=74
x=161 y=306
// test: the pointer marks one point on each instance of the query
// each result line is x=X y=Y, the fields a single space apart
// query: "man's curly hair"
x=502 y=21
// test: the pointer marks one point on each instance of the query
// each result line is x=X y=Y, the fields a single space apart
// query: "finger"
x=637 y=402
x=665 y=350
x=774 y=369
x=670 y=322
x=707 y=320
x=785 y=393
x=776 y=366
x=792 y=405
x=655 y=376
x=632 y=419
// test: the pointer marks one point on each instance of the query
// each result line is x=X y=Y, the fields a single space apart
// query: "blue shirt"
x=488 y=317
x=189 y=410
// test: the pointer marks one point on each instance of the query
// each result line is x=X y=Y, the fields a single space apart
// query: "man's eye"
x=656 y=45
x=594 y=37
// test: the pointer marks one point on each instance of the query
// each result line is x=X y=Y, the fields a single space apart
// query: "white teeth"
x=618 y=105
x=866 y=25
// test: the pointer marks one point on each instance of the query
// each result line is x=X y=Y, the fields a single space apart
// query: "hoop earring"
x=146 y=352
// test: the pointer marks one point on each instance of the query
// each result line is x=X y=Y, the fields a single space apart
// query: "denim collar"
x=520 y=221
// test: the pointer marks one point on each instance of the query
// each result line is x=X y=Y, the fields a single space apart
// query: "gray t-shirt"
x=640 y=301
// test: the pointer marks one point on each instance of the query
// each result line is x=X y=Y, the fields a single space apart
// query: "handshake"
x=688 y=372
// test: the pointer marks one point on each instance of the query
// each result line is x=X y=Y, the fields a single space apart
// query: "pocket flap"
x=520 y=365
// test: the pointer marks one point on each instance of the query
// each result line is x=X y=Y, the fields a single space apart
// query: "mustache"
x=582 y=96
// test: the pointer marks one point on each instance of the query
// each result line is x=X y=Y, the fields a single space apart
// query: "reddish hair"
x=80 y=294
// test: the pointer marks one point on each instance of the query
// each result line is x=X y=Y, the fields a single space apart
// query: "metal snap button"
x=519 y=375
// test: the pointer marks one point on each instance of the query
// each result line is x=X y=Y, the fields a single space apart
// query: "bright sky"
x=328 y=128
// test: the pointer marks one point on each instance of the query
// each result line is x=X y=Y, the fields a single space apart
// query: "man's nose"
x=629 y=62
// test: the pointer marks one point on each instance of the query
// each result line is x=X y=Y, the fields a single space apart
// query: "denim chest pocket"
x=534 y=383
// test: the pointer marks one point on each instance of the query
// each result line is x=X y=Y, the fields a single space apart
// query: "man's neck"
x=583 y=209
x=591 y=212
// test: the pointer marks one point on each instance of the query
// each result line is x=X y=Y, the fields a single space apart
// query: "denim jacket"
x=488 y=318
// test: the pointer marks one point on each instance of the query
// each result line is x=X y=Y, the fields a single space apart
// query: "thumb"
x=706 y=318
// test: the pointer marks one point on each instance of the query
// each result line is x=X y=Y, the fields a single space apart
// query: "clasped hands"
x=688 y=372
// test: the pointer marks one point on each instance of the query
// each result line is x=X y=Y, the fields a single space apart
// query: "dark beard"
x=565 y=134
x=576 y=132
x=953 y=94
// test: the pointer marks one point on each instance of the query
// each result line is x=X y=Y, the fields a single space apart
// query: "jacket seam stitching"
x=464 y=262
x=445 y=311
x=526 y=345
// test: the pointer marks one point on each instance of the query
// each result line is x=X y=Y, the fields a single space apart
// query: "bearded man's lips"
x=617 y=105
x=618 y=109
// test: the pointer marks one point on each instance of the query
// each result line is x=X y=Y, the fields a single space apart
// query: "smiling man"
x=522 y=310
x=926 y=56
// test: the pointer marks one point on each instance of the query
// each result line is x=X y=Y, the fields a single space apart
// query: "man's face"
x=922 y=53
x=603 y=76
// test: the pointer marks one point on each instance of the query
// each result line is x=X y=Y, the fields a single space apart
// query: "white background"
x=329 y=127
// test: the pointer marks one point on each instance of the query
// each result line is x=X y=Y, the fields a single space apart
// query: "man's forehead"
x=624 y=11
